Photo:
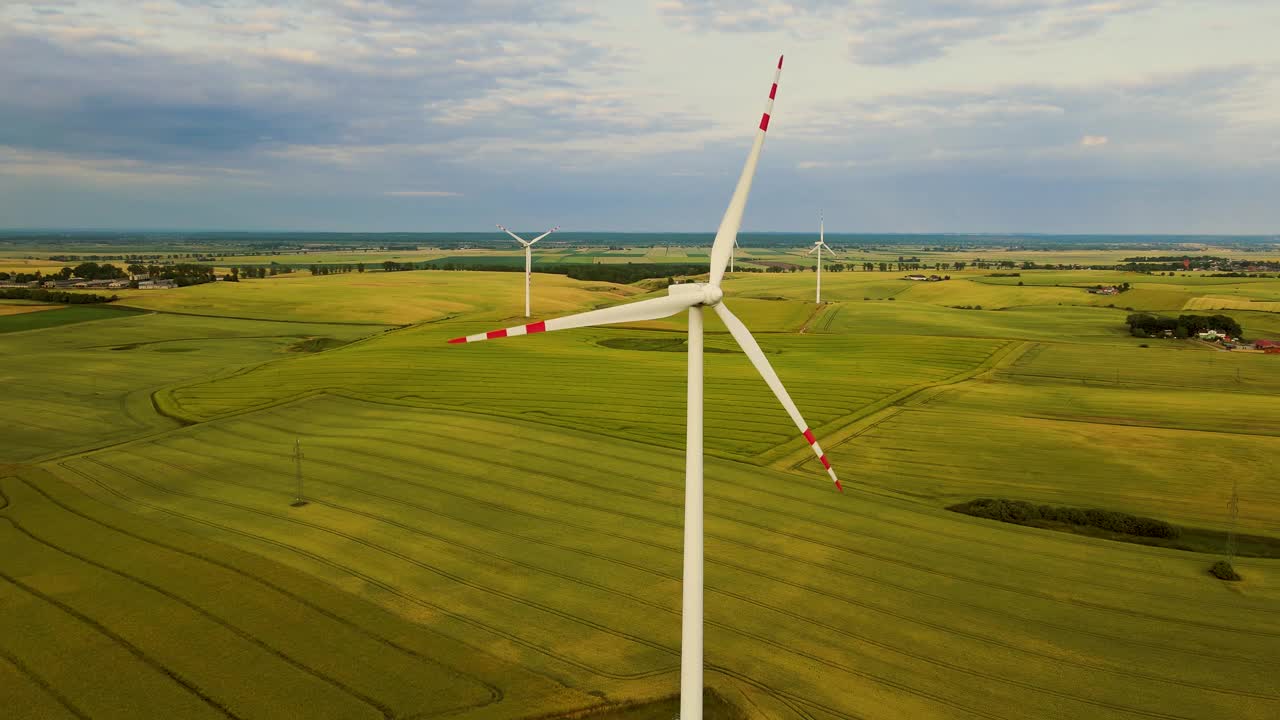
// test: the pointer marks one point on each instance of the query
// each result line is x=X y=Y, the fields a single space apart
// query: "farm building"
x=1267 y=345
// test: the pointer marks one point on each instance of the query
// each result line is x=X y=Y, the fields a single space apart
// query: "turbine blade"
x=815 y=247
x=728 y=232
x=544 y=234
x=519 y=239
x=652 y=309
x=757 y=357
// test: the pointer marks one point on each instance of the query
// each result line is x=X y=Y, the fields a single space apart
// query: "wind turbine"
x=694 y=297
x=735 y=246
x=528 y=259
x=818 y=246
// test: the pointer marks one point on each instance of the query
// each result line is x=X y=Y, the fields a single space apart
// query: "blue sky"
x=892 y=116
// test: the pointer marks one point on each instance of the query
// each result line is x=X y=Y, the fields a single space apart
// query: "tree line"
x=55 y=296
x=1148 y=325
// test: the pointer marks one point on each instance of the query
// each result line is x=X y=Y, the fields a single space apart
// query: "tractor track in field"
x=383 y=709
x=374 y=582
x=769 y=491
x=271 y=320
x=734 y=500
x=495 y=693
x=43 y=684
x=1003 y=355
x=738 y=501
x=788 y=698
x=840 y=598
x=827 y=626
x=132 y=649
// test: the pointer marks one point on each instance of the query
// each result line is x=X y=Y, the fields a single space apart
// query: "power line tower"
x=1233 y=509
x=299 y=500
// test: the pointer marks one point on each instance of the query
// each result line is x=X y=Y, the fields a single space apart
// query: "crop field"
x=394 y=298
x=565 y=560
x=66 y=315
x=16 y=309
x=1212 y=302
x=493 y=531
x=88 y=383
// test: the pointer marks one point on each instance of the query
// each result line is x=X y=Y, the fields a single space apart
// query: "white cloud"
x=422 y=193
x=1093 y=140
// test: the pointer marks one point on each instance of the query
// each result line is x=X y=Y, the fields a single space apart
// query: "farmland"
x=493 y=531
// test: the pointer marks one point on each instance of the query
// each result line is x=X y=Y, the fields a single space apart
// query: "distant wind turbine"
x=694 y=297
x=528 y=259
x=817 y=247
x=735 y=246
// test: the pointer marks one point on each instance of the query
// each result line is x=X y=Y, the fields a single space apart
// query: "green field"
x=493 y=531
x=46 y=318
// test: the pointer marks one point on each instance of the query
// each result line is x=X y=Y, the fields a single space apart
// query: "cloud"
x=422 y=193
x=904 y=32
x=1036 y=128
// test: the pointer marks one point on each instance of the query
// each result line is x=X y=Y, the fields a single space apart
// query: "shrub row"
x=54 y=296
x=1024 y=513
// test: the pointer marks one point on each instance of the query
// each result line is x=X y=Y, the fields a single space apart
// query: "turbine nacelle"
x=697 y=293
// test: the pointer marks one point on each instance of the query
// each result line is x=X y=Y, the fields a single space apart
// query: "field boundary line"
x=43 y=684
x=742 y=598
x=134 y=308
x=648 y=479
x=841 y=430
x=373 y=581
x=733 y=518
x=129 y=647
x=217 y=620
x=496 y=693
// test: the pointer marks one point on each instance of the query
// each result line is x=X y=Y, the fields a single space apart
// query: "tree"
x=359 y=267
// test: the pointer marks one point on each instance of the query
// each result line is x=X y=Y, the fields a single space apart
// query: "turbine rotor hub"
x=698 y=293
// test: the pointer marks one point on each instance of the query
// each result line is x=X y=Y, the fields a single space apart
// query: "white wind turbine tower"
x=735 y=247
x=528 y=259
x=817 y=247
x=694 y=297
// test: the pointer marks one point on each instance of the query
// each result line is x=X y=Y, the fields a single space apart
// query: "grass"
x=88 y=384
x=512 y=510
x=564 y=559
x=1121 y=527
x=316 y=344
x=68 y=315
x=149 y=616
x=18 y=308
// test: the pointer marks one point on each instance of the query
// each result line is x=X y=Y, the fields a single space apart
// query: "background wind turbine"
x=735 y=247
x=818 y=246
x=528 y=259
x=694 y=297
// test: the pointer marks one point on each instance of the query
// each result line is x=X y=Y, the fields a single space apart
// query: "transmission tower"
x=299 y=500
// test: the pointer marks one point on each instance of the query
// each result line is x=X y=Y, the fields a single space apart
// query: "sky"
x=1056 y=116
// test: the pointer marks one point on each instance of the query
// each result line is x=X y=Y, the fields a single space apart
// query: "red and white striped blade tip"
x=822 y=456
x=529 y=329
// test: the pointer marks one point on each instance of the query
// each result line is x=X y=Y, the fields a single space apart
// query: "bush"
x=1023 y=513
x=1223 y=571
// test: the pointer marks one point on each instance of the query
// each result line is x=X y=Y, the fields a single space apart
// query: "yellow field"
x=1213 y=302
x=395 y=298
x=6 y=309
